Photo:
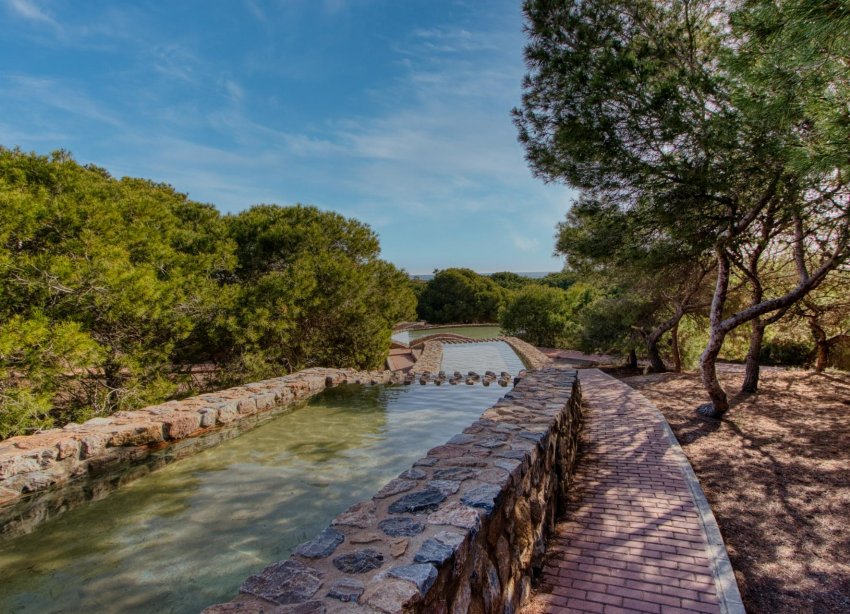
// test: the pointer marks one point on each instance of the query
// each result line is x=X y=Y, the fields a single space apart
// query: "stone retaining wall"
x=461 y=531
x=42 y=475
x=531 y=356
x=430 y=359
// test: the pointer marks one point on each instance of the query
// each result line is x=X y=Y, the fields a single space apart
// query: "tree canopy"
x=722 y=127
x=537 y=313
x=460 y=295
x=113 y=292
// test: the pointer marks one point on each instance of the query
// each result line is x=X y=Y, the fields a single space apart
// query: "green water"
x=186 y=536
x=473 y=332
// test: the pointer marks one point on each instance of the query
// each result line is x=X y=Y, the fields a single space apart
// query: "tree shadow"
x=775 y=471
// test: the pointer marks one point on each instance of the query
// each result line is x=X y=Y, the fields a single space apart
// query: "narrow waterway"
x=495 y=356
x=187 y=535
x=473 y=332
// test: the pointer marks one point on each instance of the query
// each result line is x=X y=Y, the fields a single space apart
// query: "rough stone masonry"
x=463 y=530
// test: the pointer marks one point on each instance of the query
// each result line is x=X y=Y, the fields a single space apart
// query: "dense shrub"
x=111 y=289
x=785 y=351
x=537 y=314
x=462 y=296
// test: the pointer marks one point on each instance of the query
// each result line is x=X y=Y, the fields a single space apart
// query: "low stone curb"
x=531 y=356
x=430 y=359
x=462 y=530
x=721 y=567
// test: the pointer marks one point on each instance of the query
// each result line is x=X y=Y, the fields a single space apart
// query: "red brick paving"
x=631 y=539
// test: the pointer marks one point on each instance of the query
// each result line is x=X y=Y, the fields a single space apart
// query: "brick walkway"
x=638 y=535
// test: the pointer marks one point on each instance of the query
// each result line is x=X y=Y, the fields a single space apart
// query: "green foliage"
x=511 y=281
x=314 y=291
x=693 y=335
x=417 y=286
x=607 y=325
x=537 y=314
x=785 y=351
x=562 y=279
x=694 y=129
x=460 y=296
x=111 y=289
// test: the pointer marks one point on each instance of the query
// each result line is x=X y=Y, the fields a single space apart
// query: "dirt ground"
x=776 y=471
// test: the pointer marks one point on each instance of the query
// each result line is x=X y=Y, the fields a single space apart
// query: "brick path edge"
x=632 y=472
x=721 y=567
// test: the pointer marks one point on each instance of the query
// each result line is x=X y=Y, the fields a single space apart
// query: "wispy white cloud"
x=526 y=244
x=58 y=94
x=175 y=61
x=11 y=135
x=234 y=90
x=29 y=9
x=432 y=144
x=447 y=40
x=257 y=11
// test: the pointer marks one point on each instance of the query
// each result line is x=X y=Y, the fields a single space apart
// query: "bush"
x=785 y=352
x=110 y=287
x=460 y=296
x=537 y=314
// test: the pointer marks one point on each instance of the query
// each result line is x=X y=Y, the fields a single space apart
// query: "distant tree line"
x=538 y=309
x=118 y=293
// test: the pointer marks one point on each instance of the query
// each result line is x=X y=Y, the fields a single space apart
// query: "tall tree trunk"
x=708 y=369
x=753 y=368
x=652 y=338
x=821 y=346
x=655 y=360
x=719 y=404
x=674 y=348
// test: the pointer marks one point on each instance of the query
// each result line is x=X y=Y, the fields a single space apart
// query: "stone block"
x=454 y=473
x=433 y=551
x=390 y=595
x=181 y=425
x=394 y=487
x=456 y=514
x=346 y=590
x=359 y=561
x=401 y=527
x=422 y=575
x=207 y=417
x=417 y=502
x=361 y=515
x=247 y=405
x=137 y=434
x=484 y=497
x=284 y=582
x=322 y=545
x=447 y=487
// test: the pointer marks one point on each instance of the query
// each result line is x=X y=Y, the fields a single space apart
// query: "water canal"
x=187 y=535
x=473 y=332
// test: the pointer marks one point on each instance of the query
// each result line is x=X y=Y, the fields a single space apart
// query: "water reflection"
x=493 y=355
x=187 y=535
x=473 y=332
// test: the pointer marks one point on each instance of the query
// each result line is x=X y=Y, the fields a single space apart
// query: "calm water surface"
x=493 y=355
x=474 y=332
x=187 y=535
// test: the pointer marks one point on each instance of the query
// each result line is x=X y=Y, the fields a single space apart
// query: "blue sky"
x=396 y=112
